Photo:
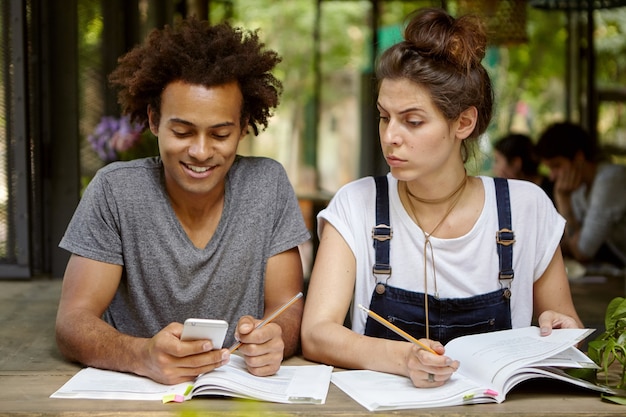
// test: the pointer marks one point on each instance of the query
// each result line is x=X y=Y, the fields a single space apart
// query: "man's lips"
x=199 y=169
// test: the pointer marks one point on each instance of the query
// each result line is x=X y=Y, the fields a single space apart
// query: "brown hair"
x=517 y=145
x=443 y=55
x=197 y=53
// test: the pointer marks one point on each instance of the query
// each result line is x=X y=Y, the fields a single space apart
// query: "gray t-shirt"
x=602 y=211
x=125 y=218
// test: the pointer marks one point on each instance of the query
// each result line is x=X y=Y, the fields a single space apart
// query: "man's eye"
x=221 y=135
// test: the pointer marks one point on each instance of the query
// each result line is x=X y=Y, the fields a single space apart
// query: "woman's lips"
x=394 y=161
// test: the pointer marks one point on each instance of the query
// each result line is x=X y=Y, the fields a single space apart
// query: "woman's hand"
x=550 y=319
x=429 y=370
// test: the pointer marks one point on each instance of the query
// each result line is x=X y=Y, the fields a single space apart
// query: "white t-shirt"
x=467 y=265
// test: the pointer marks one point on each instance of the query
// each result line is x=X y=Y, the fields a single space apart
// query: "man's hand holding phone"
x=205 y=329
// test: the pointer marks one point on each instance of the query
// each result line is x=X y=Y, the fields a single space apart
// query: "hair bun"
x=437 y=35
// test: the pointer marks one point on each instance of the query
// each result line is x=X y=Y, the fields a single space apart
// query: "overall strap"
x=504 y=236
x=382 y=233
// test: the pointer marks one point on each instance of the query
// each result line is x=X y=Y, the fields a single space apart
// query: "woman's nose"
x=390 y=135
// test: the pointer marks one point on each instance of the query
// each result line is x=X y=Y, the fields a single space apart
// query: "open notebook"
x=491 y=365
x=291 y=384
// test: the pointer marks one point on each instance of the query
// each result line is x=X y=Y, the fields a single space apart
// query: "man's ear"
x=466 y=122
x=152 y=121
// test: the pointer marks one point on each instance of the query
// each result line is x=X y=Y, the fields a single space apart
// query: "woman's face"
x=415 y=138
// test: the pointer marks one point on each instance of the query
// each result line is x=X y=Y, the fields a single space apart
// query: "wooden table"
x=31 y=369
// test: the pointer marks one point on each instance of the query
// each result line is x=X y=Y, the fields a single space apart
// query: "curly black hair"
x=195 y=52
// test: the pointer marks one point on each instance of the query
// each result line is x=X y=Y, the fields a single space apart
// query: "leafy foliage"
x=610 y=346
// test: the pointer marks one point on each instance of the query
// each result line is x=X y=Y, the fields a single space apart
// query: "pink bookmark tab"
x=491 y=392
x=173 y=398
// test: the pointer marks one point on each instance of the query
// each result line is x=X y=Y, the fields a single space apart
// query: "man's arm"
x=565 y=184
x=265 y=348
x=82 y=335
x=283 y=281
x=571 y=236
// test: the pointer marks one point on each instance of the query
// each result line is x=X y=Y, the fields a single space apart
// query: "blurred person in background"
x=515 y=158
x=589 y=192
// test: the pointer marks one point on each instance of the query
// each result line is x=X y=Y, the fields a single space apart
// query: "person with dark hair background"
x=515 y=158
x=425 y=246
x=199 y=231
x=589 y=191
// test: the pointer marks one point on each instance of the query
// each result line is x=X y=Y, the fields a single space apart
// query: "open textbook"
x=291 y=384
x=490 y=365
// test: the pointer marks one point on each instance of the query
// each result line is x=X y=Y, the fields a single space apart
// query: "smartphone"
x=200 y=329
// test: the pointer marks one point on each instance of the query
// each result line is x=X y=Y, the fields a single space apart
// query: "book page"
x=101 y=384
x=381 y=391
x=491 y=364
x=570 y=358
x=555 y=373
x=291 y=384
x=491 y=358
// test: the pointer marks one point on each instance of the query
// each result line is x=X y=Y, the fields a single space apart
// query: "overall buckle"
x=505 y=237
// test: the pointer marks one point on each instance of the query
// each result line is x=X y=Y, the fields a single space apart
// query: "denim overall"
x=450 y=317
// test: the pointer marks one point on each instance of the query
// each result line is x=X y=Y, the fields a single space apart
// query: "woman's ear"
x=466 y=122
x=152 y=121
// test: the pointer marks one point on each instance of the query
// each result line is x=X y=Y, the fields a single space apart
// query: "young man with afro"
x=198 y=231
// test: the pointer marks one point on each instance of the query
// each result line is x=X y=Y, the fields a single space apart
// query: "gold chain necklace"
x=458 y=192
x=435 y=200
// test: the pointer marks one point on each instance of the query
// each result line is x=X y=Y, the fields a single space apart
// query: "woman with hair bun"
x=438 y=253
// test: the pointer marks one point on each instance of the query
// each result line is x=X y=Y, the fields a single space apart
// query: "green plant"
x=610 y=346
